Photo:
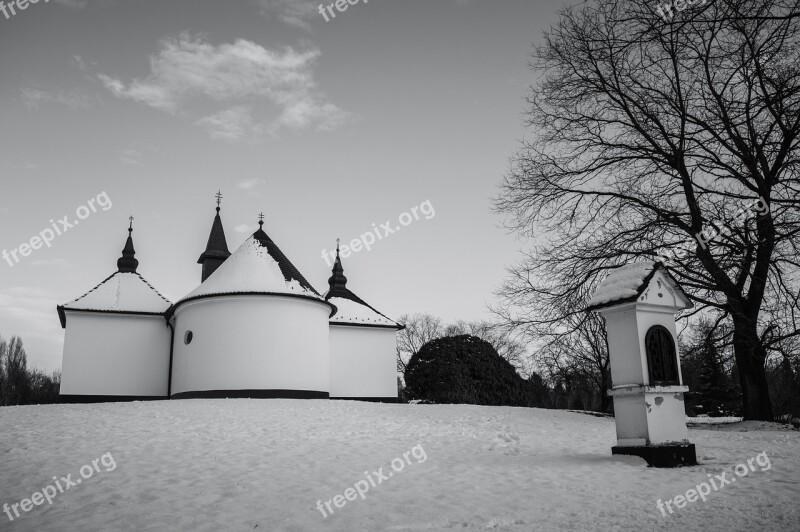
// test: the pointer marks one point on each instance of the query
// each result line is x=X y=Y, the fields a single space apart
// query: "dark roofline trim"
x=98 y=285
x=154 y=289
x=63 y=317
x=396 y=326
x=646 y=281
x=61 y=308
x=288 y=269
x=171 y=310
x=213 y=254
x=109 y=278
x=338 y=288
x=348 y=294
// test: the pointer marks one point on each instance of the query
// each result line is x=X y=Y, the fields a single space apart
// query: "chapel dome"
x=258 y=266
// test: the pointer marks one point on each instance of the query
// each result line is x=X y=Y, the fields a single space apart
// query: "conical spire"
x=351 y=309
x=217 y=247
x=337 y=281
x=260 y=235
x=127 y=263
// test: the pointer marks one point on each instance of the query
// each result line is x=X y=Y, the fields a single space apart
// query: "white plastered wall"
x=251 y=342
x=115 y=354
x=363 y=362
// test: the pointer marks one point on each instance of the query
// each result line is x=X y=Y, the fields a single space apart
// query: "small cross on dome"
x=261 y=219
x=218 y=195
x=130 y=228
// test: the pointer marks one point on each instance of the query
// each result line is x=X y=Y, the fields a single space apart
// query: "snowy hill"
x=263 y=465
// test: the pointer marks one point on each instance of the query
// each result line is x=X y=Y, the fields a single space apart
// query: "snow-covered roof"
x=628 y=282
x=123 y=292
x=357 y=313
x=257 y=266
x=623 y=283
x=351 y=309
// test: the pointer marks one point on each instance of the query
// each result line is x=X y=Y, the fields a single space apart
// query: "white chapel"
x=254 y=327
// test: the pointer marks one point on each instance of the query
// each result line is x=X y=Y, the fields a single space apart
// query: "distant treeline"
x=20 y=385
x=572 y=372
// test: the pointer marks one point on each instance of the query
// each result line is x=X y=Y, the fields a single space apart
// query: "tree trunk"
x=750 y=359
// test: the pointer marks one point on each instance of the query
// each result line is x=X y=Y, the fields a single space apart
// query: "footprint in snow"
x=505 y=442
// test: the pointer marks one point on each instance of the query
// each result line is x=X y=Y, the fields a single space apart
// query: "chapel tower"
x=217 y=247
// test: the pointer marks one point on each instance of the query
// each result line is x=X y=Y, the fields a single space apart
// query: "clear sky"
x=326 y=127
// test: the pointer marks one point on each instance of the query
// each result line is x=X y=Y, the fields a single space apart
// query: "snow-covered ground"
x=263 y=465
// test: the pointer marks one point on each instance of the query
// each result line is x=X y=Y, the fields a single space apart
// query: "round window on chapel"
x=187 y=338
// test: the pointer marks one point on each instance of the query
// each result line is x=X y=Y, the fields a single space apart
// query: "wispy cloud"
x=302 y=112
x=250 y=184
x=60 y=263
x=233 y=125
x=131 y=157
x=80 y=63
x=34 y=98
x=244 y=228
x=292 y=12
x=237 y=75
x=26 y=165
x=143 y=92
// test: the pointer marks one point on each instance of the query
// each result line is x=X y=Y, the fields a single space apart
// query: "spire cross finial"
x=130 y=228
x=261 y=219
x=337 y=280
x=218 y=195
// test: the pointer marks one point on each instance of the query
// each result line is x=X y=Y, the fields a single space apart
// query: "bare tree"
x=14 y=369
x=653 y=134
x=582 y=355
x=420 y=329
x=3 y=371
x=19 y=384
x=501 y=338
